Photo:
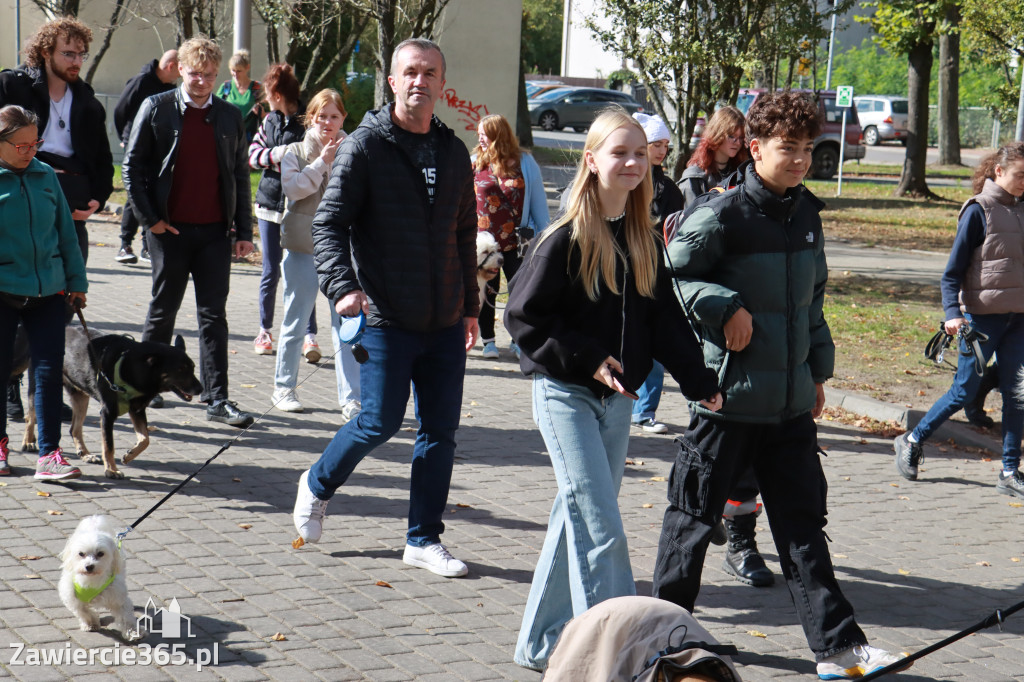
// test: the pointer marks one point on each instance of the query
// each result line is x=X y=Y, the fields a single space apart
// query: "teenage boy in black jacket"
x=751 y=268
x=155 y=77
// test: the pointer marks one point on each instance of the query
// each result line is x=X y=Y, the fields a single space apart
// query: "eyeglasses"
x=199 y=75
x=28 y=148
x=733 y=138
x=72 y=56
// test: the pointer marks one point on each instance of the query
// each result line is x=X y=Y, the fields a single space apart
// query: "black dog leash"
x=996 y=618
x=935 y=349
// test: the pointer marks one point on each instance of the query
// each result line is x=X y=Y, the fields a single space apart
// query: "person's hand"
x=328 y=152
x=952 y=327
x=605 y=376
x=76 y=299
x=819 y=401
x=83 y=214
x=738 y=330
x=714 y=403
x=161 y=227
x=472 y=331
x=243 y=248
x=351 y=303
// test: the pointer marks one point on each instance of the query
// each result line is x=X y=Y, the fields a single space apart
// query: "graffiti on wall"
x=469 y=113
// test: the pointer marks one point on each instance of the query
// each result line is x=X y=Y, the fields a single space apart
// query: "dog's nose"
x=89 y=567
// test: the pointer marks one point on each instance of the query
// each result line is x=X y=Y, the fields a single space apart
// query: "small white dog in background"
x=488 y=261
x=93 y=577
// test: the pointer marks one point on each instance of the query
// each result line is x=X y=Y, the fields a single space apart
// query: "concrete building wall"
x=480 y=39
x=582 y=55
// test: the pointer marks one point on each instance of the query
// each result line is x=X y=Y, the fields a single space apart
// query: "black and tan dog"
x=123 y=375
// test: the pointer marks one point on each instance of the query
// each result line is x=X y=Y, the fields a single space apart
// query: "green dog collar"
x=87 y=594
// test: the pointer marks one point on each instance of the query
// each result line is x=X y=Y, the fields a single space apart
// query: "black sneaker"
x=908 y=456
x=1012 y=484
x=226 y=412
x=126 y=256
x=144 y=256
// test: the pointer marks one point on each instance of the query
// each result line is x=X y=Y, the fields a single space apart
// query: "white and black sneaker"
x=908 y=456
x=126 y=256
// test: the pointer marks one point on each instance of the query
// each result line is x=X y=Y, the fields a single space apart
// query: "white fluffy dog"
x=488 y=261
x=93 y=577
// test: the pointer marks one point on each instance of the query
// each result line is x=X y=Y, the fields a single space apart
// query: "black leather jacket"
x=26 y=87
x=148 y=167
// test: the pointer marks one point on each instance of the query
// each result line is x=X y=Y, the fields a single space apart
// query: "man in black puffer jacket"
x=395 y=238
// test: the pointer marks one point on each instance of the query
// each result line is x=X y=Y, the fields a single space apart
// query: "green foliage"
x=900 y=25
x=542 y=36
x=357 y=93
x=994 y=33
x=617 y=78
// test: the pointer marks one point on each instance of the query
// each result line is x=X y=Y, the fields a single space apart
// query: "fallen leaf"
x=41 y=493
x=920 y=393
x=840 y=556
x=473 y=403
x=381 y=583
x=29 y=557
x=657 y=478
x=468 y=415
x=278 y=637
x=846 y=478
x=233 y=352
x=232 y=599
x=983 y=563
x=236 y=480
x=903 y=497
x=54 y=512
x=460 y=505
x=3 y=485
x=245 y=526
x=647 y=506
x=904 y=571
x=1015 y=559
x=895 y=485
x=479 y=603
x=32 y=576
x=1016 y=504
x=248 y=385
x=298 y=542
x=756 y=633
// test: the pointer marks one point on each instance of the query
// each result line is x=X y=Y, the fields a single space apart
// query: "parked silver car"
x=882 y=117
x=576 y=107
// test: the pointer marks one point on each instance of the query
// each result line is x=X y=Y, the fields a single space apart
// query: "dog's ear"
x=179 y=342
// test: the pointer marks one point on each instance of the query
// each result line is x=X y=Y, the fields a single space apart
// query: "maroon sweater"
x=195 y=187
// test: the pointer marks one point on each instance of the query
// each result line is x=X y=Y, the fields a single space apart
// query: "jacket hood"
x=79 y=88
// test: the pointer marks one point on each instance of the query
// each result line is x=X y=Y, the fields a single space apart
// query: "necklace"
x=60 y=118
x=618 y=217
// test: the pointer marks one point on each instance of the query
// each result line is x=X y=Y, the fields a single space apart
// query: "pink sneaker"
x=264 y=343
x=53 y=467
x=5 y=469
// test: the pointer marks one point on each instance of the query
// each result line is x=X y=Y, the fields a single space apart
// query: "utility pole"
x=1019 y=135
x=831 y=43
x=243 y=25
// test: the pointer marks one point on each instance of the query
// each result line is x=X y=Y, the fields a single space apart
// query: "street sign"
x=844 y=96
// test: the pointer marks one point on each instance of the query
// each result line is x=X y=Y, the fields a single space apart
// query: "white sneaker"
x=351 y=411
x=309 y=511
x=651 y=426
x=857 y=662
x=285 y=399
x=435 y=558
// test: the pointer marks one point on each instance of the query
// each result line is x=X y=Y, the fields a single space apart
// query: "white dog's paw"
x=133 y=635
x=86 y=626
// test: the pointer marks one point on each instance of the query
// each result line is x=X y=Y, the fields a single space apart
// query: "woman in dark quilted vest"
x=983 y=291
x=282 y=126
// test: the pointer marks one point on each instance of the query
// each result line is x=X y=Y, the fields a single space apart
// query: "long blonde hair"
x=590 y=231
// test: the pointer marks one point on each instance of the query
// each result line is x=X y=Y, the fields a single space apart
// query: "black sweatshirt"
x=565 y=335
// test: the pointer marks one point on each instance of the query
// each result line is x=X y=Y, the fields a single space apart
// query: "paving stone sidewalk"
x=918 y=560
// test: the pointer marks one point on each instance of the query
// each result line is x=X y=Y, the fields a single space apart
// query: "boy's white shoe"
x=309 y=511
x=856 y=662
x=435 y=558
x=285 y=399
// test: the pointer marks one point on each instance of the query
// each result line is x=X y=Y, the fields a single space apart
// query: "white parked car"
x=882 y=117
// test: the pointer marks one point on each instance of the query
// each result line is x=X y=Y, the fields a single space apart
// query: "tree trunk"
x=115 y=21
x=523 y=130
x=384 y=10
x=913 y=181
x=949 y=92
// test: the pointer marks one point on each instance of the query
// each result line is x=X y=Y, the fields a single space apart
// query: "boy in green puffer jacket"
x=750 y=264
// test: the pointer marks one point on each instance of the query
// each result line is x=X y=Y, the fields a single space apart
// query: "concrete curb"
x=904 y=416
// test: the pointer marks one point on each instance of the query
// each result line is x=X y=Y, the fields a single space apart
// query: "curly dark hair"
x=44 y=42
x=784 y=114
x=281 y=79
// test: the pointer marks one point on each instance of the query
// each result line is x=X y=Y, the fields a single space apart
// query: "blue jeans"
x=44 y=325
x=1005 y=337
x=270 y=243
x=435 y=363
x=585 y=559
x=298 y=274
x=649 y=395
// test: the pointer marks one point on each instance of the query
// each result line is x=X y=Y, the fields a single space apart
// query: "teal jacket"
x=40 y=254
x=751 y=248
